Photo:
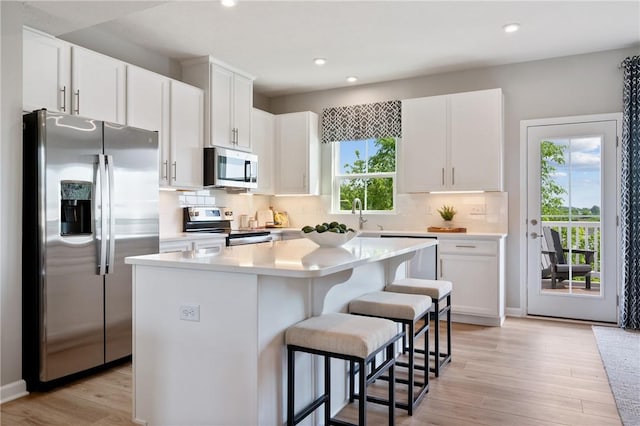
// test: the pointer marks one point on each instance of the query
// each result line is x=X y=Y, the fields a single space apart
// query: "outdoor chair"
x=556 y=267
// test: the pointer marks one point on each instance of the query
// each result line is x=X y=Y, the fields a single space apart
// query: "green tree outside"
x=375 y=192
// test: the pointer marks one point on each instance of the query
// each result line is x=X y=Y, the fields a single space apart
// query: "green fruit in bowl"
x=321 y=228
x=308 y=229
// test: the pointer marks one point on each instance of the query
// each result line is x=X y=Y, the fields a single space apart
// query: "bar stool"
x=348 y=337
x=407 y=310
x=438 y=290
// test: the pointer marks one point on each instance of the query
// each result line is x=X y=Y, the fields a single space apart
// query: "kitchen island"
x=208 y=325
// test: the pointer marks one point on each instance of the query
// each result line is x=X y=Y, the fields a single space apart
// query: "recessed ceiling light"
x=228 y=3
x=511 y=28
x=319 y=61
x=352 y=79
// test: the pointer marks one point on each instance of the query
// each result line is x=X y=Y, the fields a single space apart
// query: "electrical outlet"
x=190 y=312
x=478 y=209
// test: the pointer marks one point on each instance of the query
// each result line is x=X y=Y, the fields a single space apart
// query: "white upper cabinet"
x=476 y=148
x=148 y=107
x=452 y=142
x=228 y=102
x=98 y=86
x=186 y=136
x=46 y=80
x=423 y=148
x=263 y=140
x=297 y=153
x=66 y=78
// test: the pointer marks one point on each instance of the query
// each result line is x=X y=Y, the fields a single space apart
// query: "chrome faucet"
x=358 y=204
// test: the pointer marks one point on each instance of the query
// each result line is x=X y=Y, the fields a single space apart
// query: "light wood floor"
x=528 y=372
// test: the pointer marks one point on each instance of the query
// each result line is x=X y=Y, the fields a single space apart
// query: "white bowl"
x=329 y=239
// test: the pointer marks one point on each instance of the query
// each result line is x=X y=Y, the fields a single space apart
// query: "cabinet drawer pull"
x=166 y=170
x=457 y=246
x=443 y=176
x=64 y=99
x=175 y=170
x=453 y=176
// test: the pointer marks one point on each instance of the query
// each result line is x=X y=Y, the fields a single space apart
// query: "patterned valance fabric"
x=630 y=195
x=366 y=121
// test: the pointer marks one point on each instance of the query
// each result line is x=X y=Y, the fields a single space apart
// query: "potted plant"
x=447 y=213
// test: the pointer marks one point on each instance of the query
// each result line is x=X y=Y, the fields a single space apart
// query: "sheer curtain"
x=630 y=182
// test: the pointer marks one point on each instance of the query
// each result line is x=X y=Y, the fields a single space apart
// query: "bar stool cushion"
x=436 y=289
x=342 y=333
x=391 y=305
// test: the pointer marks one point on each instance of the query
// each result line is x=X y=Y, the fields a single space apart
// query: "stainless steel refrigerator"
x=90 y=199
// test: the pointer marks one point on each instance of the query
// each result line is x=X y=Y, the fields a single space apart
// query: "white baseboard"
x=515 y=312
x=12 y=391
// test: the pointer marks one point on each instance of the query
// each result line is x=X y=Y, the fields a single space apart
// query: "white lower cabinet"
x=476 y=269
x=189 y=244
x=209 y=244
x=176 y=246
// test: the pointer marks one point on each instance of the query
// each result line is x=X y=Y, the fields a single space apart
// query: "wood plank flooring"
x=528 y=372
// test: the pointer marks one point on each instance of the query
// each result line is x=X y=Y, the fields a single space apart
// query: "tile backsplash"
x=482 y=212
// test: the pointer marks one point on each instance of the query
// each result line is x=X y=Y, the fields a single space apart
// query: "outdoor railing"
x=580 y=235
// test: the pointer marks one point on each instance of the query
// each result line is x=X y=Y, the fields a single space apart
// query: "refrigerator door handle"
x=102 y=265
x=112 y=218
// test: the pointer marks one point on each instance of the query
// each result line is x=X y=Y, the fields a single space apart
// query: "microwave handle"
x=247 y=171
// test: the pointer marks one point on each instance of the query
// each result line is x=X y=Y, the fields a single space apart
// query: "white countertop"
x=364 y=233
x=292 y=258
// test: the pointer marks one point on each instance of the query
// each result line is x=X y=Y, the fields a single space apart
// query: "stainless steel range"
x=218 y=220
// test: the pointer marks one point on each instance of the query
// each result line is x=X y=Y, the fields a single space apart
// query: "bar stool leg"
x=411 y=372
x=436 y=323
x=362 y=401
x=327 y=389
x=290 y=386
x=449 y=353
x=392 y=381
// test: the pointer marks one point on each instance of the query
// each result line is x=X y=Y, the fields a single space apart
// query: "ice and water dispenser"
x=75 y=208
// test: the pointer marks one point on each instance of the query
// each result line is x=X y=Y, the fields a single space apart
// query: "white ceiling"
x=276 y=41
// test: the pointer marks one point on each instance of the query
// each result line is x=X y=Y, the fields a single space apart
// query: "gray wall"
x=97 y=40
x=575 y=85
x=10 y=193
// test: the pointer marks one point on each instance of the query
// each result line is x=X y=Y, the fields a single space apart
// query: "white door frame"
x=524 y=168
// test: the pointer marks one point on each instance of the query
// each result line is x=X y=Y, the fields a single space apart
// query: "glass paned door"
x=572 y=206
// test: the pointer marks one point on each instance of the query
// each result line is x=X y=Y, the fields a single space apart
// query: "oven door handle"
x=249 y=240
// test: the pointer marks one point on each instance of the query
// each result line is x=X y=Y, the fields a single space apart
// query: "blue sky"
x=581 y=171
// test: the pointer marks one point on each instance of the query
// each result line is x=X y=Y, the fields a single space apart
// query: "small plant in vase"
x=447 y=213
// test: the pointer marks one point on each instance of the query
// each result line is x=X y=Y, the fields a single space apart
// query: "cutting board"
x=263 y=217
x=439 y=229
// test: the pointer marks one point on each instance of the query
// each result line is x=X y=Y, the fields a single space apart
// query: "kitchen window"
x=364 y=169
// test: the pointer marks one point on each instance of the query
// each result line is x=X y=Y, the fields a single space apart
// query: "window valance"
x=366 y=121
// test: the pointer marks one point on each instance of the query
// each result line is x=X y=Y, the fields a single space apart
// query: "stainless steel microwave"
x=226 y=168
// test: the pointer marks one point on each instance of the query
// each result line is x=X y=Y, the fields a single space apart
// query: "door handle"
x=443 y=176
x=175 y=170
x=166 y=170
x=453 y=176
x=112 y=217
x=102 y=258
